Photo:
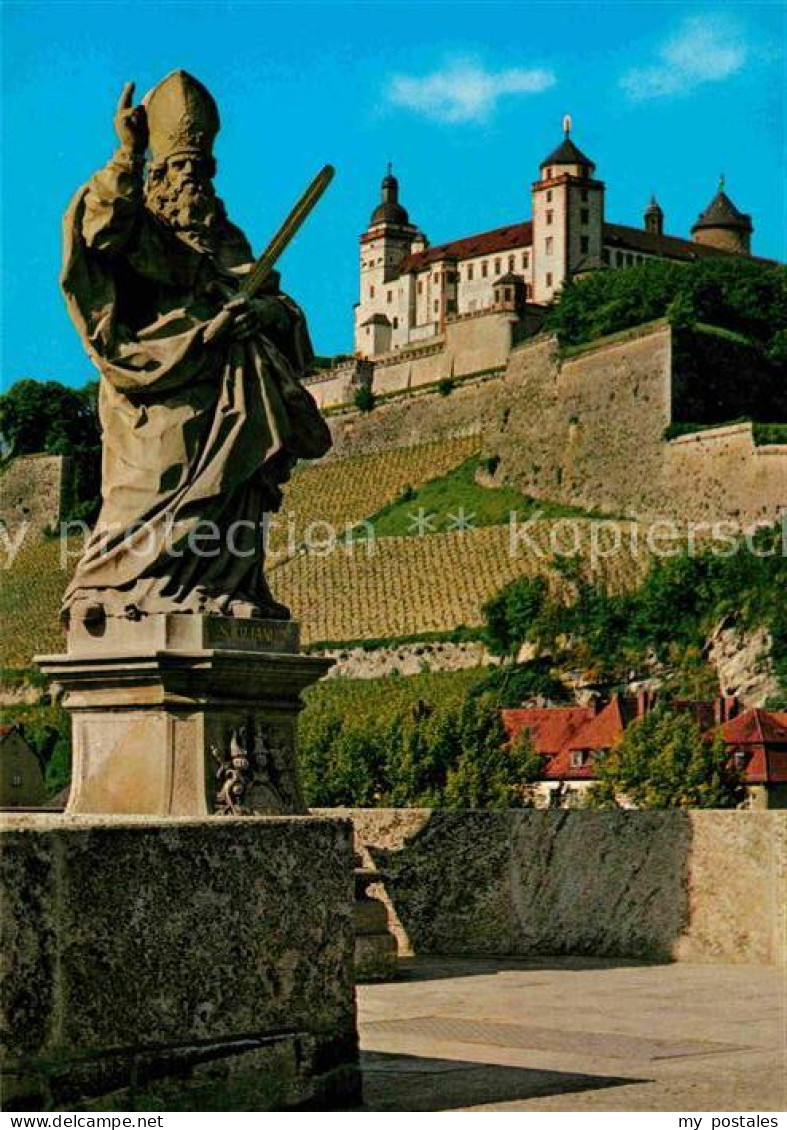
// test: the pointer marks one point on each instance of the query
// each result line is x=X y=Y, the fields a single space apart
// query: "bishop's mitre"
x=182 y=117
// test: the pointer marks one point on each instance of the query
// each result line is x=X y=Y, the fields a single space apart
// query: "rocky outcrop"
x=744 y=663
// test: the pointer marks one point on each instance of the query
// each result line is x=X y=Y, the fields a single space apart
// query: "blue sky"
x=464 y=98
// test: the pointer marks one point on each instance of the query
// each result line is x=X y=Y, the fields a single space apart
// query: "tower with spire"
x=388 y=240
x=568 y=217
x=654 y=217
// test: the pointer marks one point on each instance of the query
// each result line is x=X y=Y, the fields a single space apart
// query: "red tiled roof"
x=485 y=243
x=551 y=727
x=666 y=246
x=762 y=736
x=521 y=235
x=606 y=728
x=756 y=727
x=552 y=730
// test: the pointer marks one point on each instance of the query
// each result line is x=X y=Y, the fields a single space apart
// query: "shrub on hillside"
x=667 y=619
x=736 y=293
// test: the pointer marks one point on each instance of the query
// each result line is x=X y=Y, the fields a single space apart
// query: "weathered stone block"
x=141 y=951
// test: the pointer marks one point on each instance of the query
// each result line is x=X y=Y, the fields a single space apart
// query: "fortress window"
x=548 y=245
x=389 y=297
x=526 y=260
x=549 y=196
x=584 y=195
x=528 y=291
x=371 y=292
x=584 y=215
x=484 y=269
x=549 y=174
x=549 y=278
x=420 y=287
x=469 y=272
x=16 y=780
x=584 y=244
x=436 y=305
x=396 y=323
x=549 y=215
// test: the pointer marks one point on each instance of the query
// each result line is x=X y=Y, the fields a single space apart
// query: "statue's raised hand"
x=131 y=122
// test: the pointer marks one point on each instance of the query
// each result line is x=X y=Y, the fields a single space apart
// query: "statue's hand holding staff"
x=243 y=317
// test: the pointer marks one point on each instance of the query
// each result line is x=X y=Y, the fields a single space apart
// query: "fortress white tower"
x=568 y=218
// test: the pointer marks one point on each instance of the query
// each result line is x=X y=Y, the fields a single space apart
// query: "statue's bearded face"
x=181 y=192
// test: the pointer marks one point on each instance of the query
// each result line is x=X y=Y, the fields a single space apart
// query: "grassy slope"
x=442 y=499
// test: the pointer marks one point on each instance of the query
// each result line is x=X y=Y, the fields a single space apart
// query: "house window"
x=529 y=291
x=549 y=278
x=526 y=260
x=605 y=255
x=584 y=215
x=371 y=292
x=549 y=215
x=548 y=245
x=549 y=174
x=584 y=195
x=16 y=780
x=436 y=306
x=497 y=266
x=389 y=297
x=484 y=269
x=396 y=323
x=739 y=760
x=508 y=295
x=549 y=196
x=584 y=244
x=511 y=263
x=420 y=287
x=578 y=758
x=619 y=258
x=469 y=272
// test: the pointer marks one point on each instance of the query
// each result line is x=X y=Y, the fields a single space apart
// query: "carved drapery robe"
x=197 y=437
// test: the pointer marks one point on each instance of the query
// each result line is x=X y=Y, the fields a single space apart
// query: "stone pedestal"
x=184 y=715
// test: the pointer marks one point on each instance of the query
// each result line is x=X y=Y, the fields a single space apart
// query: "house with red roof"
x=571 y=739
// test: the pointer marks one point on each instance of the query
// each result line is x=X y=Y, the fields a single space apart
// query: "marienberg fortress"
x=608 y=425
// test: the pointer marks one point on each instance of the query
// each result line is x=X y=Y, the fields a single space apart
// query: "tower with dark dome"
x=722 y=225
x=386 y=243
x=654 y=217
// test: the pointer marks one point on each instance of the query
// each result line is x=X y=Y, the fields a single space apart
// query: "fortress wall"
x=334 y=389
x=589 y=431
x=723 y=472
x=404 y=422
x=410 y=369
x=478 y=342
x=34 y=489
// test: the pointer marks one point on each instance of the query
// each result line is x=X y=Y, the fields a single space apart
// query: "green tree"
x=46 y=416
x=663 y=761
x=490 y=772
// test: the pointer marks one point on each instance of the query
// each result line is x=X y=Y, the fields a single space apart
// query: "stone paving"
x=570 y=1034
